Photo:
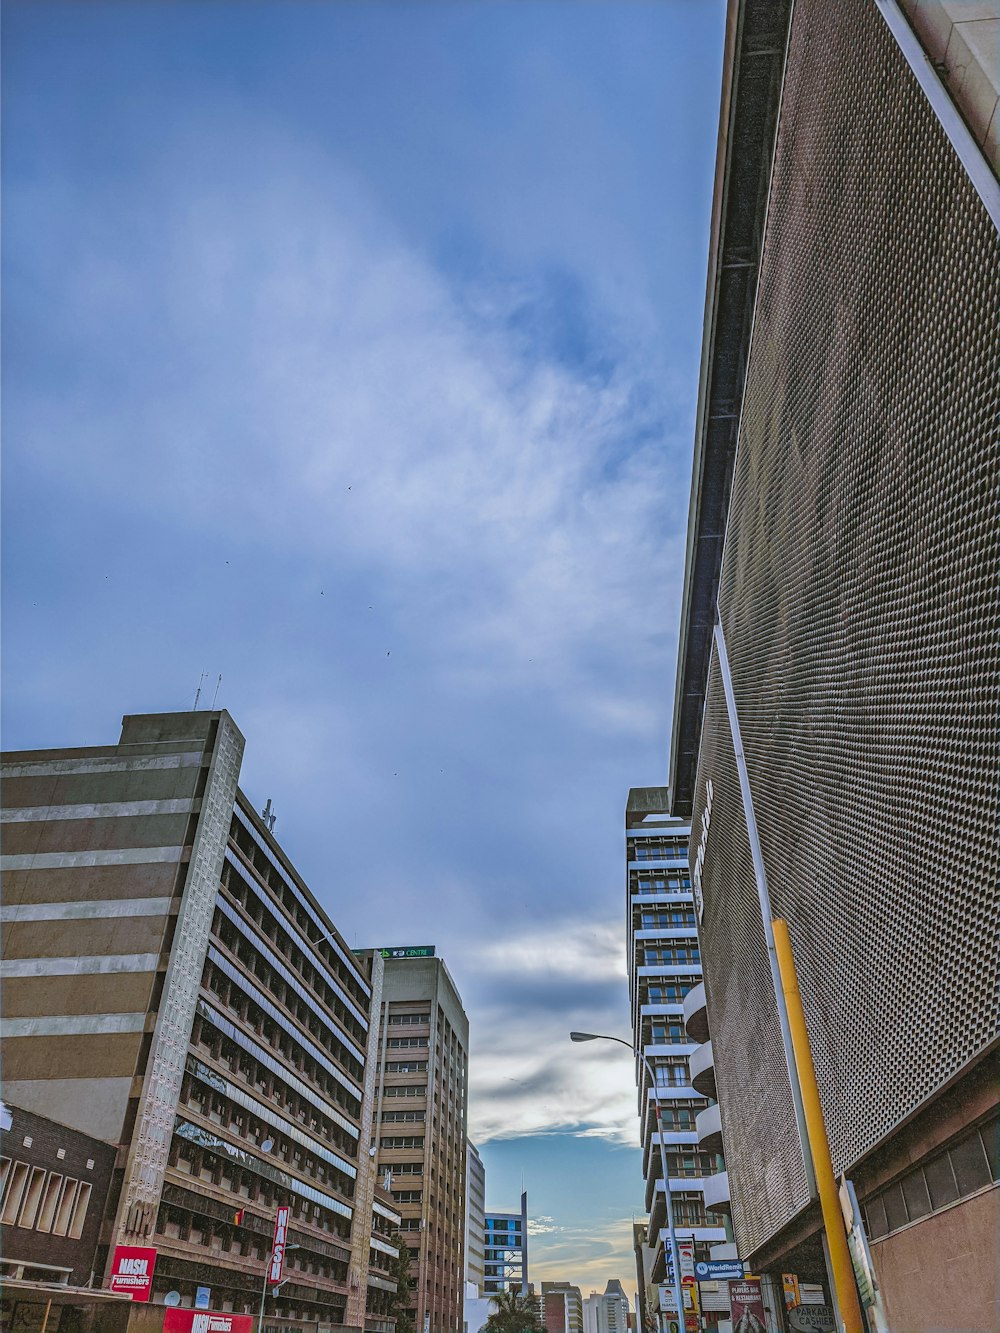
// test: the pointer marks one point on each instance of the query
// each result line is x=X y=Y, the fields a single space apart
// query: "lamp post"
x=674 y=1252
x=277 y=1286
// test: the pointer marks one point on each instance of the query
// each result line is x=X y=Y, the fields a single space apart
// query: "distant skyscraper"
x=607 y=1312
x=507 y=1250
x=422 y=1116
x=664 y=966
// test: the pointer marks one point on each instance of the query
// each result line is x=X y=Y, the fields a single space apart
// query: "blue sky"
x=350 y=352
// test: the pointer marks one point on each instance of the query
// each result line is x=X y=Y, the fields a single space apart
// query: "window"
x=404 y=1043
x=970 y=1164
x=401 y=1020
x=406 y=1067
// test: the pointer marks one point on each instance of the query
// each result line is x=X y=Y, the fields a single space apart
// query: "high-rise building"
x=607 y=1312
x=664 y=967
x=175 y=992
x=506 y=1257
x=844 y=539
x=422 y=1120
x=475 y=1221
x=561 y=1307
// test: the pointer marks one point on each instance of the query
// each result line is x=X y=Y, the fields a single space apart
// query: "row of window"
x=403 y=1117
x=308 y=1016
x=969 y=1165
x=402 y=1141
x=661 y=849
x=406 y=1043
x=289 y=899
x=279 y=1034
x=406 y=1067
x=670 y=994
x=42 y=1200
x=402 y=1020
x=671 y=953
x=664 y=920
x=276 y=1085
x=406 y=1090
x=241 y=887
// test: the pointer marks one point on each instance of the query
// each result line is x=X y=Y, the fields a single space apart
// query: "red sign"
x=206 y=1321
x=277 y=1265
x=132 y=1271
x=746 y=1306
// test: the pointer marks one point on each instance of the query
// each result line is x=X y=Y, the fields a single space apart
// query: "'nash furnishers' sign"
x=132 y=1271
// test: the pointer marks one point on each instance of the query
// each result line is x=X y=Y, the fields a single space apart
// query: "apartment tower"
x=664 y=968
x=422 y=1120
x=506 y=1257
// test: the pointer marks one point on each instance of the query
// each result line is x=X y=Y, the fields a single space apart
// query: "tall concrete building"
x=506 y=1255
x=475 y=1221
x=843 y=534
x=175 y=993
x=664 y=969
x=422 y=1123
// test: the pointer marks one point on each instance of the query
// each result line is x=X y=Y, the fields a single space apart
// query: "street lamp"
x=277 y=1286
x=674 y=1252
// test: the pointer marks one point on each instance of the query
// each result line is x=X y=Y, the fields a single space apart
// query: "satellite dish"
x=172 y=1298
x=267 y=1145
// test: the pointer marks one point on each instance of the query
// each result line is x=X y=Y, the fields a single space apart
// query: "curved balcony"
x=696 y=1013
x=702 y=1067
x=716 y=1193
x=708 y=1124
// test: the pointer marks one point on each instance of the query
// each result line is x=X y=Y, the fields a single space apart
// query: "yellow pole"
x=833 y=1220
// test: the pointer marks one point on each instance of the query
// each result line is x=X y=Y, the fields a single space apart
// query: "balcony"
x=702 y=1067
x=696 y=1013
x=709 y=1127
x=716 y=1193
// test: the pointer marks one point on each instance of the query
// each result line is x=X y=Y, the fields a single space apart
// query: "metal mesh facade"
x=859 y=594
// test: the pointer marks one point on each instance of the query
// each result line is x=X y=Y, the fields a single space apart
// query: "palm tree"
x=514 y=1313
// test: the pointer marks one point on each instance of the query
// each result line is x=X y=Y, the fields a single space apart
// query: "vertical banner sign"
x=689 y=1286
x=277 y=1266
x=132 y=1271
x=746 y=1305
x=790 y=1284
x=861 y=1259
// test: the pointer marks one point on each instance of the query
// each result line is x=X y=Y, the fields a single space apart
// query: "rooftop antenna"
x=216 y=694
x=197 y=693
x=268 y=815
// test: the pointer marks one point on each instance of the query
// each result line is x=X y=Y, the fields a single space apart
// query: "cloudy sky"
x=350 y=353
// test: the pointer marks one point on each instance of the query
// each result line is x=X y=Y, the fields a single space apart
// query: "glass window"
x=875 y=1214
x=990 y=1135
x=895 y=1207
x=968 y=1158
x=941 y=1181
x=915 y=1193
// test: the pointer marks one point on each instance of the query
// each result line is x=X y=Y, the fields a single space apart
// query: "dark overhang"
x=756 y=38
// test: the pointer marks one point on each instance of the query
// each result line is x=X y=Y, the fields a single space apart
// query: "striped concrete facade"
x=173 y=988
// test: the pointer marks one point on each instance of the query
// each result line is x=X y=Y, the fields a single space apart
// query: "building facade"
x=843 y=533
x=664 y=968
x=174 y=991
x=422 y=1122
x=475 y=1221
x=561 y=1307
x=506 y=1257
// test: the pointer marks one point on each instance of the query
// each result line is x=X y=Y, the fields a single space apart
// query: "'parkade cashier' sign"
x=132 y=1271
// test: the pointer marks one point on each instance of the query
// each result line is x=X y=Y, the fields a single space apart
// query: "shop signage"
x=811 y=1319
x=418 y=951
x=202 y=1298
x=206 y=1321
x=132 y=1271
x=790 y=1284
x=277 y=1264
x=718 y=1270
x=746 y=1305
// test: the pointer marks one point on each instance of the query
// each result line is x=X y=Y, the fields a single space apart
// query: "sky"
x=350 y=354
